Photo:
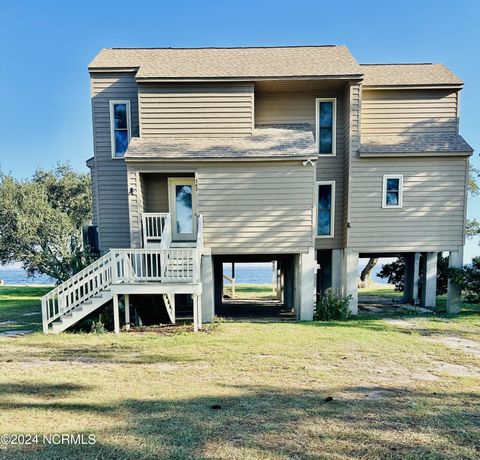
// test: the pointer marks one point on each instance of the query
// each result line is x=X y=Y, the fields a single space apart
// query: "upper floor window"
x=326 y=121
x=392 y=196
x=325 y=208
x=120 y=127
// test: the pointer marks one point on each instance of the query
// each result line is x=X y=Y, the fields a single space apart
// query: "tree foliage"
x=468 y=278
x=41 y=219
x=394 y=273
x=472 y=183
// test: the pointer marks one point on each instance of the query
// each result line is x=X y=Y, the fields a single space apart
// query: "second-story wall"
x=248 y=207
x=196 y=110
x=409 y=112
x=295 y=102
x=110 y=189
x=434 y=187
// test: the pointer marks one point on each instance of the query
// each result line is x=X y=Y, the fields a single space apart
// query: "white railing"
x=167 y=233
x=198 y=253
x=76 y=290
x=161 y=265
x=120 y=266
x=154 y=226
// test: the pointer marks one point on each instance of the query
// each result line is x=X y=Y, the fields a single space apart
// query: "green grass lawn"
x=398 y=391
x=20 y=307
x=250 y=291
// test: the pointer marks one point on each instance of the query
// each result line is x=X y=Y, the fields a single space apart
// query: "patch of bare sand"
x=453 y=341
x=456 y=370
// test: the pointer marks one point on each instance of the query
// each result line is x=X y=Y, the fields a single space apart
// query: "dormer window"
x=120 y=127
x=326 y=121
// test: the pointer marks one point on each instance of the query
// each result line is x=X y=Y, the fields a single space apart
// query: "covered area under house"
x=339 y=269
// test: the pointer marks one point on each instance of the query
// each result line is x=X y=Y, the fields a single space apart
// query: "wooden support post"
x=126 y=301
x=429 y=279
x=350 y=278
x=195 y=313
x=455 y=260
x=274 y=279
x=116 y=315
x=233 y=280
x=199 y=312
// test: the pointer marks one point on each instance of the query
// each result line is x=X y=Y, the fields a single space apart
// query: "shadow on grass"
x=102 y=353
x=41 y=389
x=261 y=422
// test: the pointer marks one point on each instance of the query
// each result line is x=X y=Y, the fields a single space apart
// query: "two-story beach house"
x=299 y=155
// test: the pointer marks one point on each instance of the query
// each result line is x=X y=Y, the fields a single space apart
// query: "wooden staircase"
x=121 y=272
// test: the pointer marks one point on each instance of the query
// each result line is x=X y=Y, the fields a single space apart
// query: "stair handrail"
x=76 y=290
x=166 y=240
x=197 y=270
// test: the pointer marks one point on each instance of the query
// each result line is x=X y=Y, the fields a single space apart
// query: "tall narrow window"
x=120 y=127
x=326 y=114
x=325 y=208
x=392 y=196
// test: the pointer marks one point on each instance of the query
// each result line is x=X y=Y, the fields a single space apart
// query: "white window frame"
x=332 y=209
x=400 y=191
x=112 y=125
x=318 y=101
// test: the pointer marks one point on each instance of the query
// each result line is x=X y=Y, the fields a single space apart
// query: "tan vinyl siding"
x=409 y=112
x=352 y=141
x=286 y=103
x=210 y=110
x=136 y=207
x=256 y=208
x=252 y=207
x=432 y=216
x=111 y=179
x=93 y=177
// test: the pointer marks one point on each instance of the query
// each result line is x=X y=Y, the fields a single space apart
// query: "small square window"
x=392 y=196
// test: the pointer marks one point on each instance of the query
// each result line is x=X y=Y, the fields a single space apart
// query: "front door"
x=181 y=199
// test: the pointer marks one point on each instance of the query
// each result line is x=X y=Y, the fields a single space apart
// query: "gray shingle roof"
x=200 y=63
x=408 y=74
x=404 y=145
x=279 y=142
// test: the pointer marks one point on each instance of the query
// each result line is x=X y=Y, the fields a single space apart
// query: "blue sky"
x=45 y=48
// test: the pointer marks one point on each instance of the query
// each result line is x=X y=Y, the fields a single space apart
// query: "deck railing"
x=162 y=265
x=76 y=290
x=156 y=226
x=120 y=266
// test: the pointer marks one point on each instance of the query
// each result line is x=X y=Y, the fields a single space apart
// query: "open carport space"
x=273 y=298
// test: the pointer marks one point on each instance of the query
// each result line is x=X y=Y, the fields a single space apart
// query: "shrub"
x=468 y=278
x=98 y=327
x=333 y=306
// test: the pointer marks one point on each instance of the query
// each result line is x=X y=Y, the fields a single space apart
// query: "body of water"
x=244 y=275
x=19 y=276
x=263 y=275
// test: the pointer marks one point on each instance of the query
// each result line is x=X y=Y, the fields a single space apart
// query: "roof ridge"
x=219 y=47
x=402 y=63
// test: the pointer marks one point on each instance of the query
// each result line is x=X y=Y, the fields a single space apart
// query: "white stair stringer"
x=169 y=300
x=77 y=314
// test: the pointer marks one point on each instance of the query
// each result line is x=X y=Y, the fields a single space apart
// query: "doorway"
x=182 y=206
